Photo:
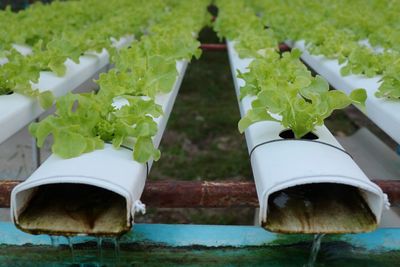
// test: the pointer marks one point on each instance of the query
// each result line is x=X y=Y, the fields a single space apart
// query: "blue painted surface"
x=211 y=236
x=385 y=239
x=203 y=235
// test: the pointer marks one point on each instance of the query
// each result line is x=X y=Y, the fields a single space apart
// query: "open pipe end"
x=74 y=209
x=319 y=208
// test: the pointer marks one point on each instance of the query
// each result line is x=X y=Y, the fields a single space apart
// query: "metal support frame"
x=222 y=47
x=203 y=194
x=35 y=151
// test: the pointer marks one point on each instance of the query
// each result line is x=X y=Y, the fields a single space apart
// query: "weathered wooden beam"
x=202 y=194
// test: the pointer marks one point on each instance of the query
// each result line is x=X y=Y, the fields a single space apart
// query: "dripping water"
x=71 y=248
x=55 y=241
x=116 y=248
x=100 y=250
x=314 y=250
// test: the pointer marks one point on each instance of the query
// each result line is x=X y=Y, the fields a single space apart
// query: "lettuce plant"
x=341 y=30
x=84 y=122
x=283 y=89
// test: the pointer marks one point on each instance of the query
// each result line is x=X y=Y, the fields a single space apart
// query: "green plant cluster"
x=61 y=31
x=349 y=31
x=285 y=90
x=84 y=122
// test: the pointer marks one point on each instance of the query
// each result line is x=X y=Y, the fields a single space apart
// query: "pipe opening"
x=319 y=208
x=289 y=134
x=71 y=209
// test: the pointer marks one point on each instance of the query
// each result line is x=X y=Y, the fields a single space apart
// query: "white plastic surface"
x=23 y=49
x=283 y=163
x=383 y=112
x=17 y=110
x=109 y=168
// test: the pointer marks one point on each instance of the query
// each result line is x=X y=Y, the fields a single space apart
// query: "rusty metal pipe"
x=391 y=188
x=284 y=47
x=5 y=192
x=213 y=47
x=202 y=194
x=222 y=47
x=185 y=194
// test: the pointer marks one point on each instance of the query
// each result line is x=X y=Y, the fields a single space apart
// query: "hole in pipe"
x=319 y=208
x=70 y=209
x=289 y=134
x=5 y=91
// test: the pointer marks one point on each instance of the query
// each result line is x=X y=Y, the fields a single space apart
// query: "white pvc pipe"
x=108 y=168
x=17 y=110
x=383 y=112
x=278 y=163
x=36 y=159
x=22 y=49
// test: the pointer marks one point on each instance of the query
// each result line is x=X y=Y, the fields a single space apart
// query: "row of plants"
x=84 y=122
x=55 y=37
x=46 y=21
x=284 y=90
x=343 y=30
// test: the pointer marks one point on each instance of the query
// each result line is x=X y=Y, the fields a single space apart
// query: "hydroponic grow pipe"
x=26 y=109
x=96 y=193
x=383 y=112
x=203 y=194
x=290 y=174
x=22 y=49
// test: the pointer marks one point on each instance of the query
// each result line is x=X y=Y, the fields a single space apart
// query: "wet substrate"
x=319 y=208
x=68 y=209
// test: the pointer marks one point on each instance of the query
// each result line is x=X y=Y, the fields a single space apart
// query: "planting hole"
x=319 y=208
x=66 y=209
x=289 y=134
x=5 y=91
